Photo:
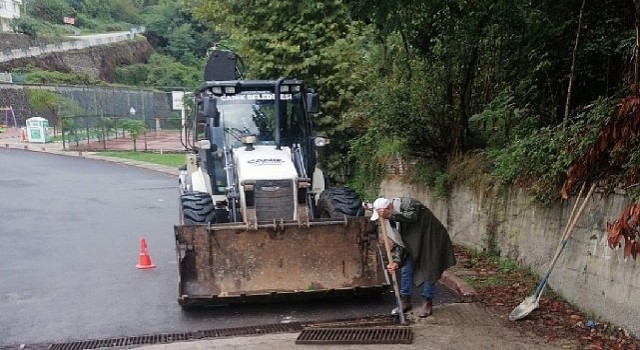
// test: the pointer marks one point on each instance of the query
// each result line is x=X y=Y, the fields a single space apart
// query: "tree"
x=106 y=127
x=43 y=101
x=573 y=66
x=172 y=29
x=158 y=21
x=124 y=10
x=97 y=9
x=164 y=71
x=181 y=41
x=313 y=41
x=636 y=75
x=135 y=128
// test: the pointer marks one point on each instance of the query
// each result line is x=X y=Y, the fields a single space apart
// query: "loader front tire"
x=338 y=202
x=197 y=208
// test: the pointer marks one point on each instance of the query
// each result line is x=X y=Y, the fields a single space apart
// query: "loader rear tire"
x=197 y=208
x=337 y=202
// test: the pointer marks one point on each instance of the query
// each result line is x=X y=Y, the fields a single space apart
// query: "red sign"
x=69 y=20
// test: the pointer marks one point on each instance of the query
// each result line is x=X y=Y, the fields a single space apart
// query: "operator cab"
x=229 y=111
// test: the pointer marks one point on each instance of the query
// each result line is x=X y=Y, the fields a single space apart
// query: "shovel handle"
x=572 y=223
x=394 y=280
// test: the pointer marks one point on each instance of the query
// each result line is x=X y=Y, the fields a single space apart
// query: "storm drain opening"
x=174 y=337
x=348 y=335
x=362 y=330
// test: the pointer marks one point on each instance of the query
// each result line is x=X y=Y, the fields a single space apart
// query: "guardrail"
x=75 y=44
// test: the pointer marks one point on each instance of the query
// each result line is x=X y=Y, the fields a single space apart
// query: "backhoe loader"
x=258 y=222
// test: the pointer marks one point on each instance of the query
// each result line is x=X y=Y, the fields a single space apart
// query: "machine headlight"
x=295 y=88
x=229 y=89
x=204 y=144
x=284 y=88
x=248 y=139
x=321 y=141
x=216 y=90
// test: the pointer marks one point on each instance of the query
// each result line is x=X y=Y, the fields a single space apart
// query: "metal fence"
x=107 y=101
x=86 y=117
x=118 y=133
x=72 y=100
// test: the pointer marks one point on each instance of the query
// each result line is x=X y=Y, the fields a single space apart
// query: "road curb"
x=90 y=155
x=457 y=284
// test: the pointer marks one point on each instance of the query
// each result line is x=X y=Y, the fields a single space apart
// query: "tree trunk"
x=637 y=65
x=405 y=44
x=465 y=96
x=567 y=106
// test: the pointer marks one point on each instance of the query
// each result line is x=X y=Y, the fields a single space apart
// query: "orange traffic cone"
x=144 y=262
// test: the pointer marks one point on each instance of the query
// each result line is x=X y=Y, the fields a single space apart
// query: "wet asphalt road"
x=69 y=237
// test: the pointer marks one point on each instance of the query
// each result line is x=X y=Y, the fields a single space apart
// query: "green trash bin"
x=38 y=130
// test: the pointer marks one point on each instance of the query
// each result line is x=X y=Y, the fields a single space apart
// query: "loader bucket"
x=227 y=263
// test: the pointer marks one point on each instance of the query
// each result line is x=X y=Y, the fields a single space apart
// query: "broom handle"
x=394 y=280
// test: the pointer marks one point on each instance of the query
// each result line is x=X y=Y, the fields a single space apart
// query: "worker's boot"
x=427 y=307
x=405 y=303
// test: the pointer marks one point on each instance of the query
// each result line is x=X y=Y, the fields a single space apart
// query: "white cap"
x=379 y=203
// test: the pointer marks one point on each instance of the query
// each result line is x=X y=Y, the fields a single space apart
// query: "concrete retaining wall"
x=589 y=274
x=74 y=44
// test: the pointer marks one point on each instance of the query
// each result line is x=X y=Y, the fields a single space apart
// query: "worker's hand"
x=392 y=267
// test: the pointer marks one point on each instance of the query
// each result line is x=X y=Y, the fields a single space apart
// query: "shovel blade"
x=526 y=306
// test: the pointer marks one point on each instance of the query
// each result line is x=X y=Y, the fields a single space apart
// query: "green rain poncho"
x=425 y=238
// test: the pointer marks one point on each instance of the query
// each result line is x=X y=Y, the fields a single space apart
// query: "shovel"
x=531 y=302
x=394 y=280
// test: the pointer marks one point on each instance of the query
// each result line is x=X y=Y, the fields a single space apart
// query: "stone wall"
x=10 y=41
x=589 y=274
x=98 y=62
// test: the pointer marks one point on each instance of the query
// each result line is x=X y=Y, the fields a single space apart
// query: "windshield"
x=252 y=113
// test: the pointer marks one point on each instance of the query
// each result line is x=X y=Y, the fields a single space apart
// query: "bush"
x=370 y=155
x=24 y=25
x=55 y=77
x=539 y=162
x=51 y=10
x=30 y=26
x=135 y=74
x=86 y=22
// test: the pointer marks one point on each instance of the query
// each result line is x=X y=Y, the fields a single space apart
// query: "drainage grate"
x=173 y=337
x=382 y=322
x=379 y=335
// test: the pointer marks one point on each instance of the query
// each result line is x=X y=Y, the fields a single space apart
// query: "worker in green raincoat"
x=421 y=248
